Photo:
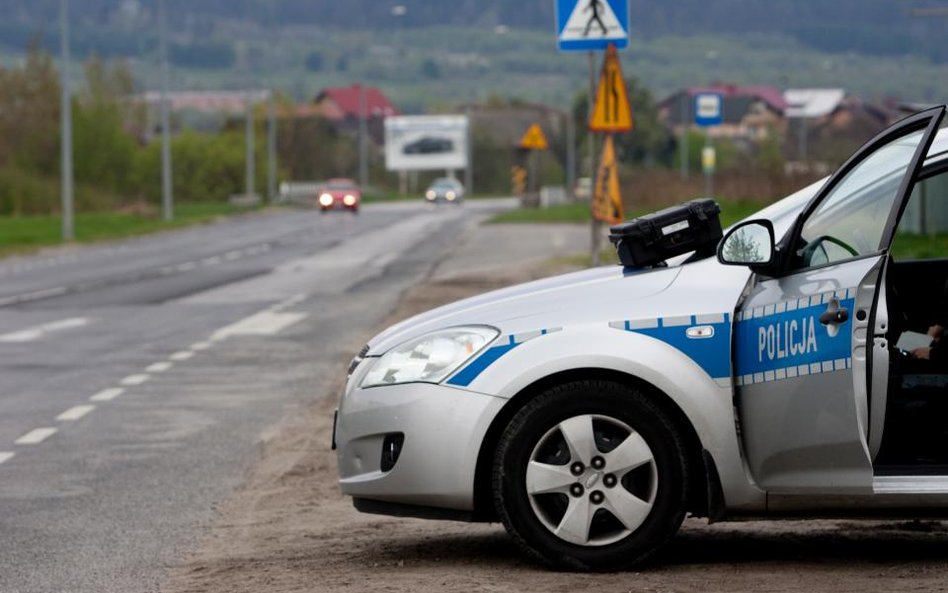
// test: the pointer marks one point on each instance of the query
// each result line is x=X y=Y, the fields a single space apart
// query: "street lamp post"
x=68 y=224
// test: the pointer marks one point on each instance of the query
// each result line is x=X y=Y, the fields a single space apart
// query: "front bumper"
x=443 y=429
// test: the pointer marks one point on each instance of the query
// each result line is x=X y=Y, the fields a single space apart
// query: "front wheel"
x=591 y=475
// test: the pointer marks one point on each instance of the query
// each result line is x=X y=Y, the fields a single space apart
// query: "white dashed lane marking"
x=200 y=345
x=36 y=436
x=134 y=380
x=159 y=367
x=182 y=355
x=74 y=413
x=107 y=395
x=6 y=456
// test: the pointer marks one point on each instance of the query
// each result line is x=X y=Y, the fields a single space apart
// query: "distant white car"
x=445 y=189
x=592 y=412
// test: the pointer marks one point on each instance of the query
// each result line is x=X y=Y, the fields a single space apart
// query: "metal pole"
x=249 y=156
x=708 y=173
x=271 y=148
x=685 y=128
x=594 y=174
x=469 y=171
x=570 y=155
x=167 y=200
x=363 y=145
x=68 y=224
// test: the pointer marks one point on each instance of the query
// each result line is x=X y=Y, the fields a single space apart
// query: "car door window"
x=850 y=220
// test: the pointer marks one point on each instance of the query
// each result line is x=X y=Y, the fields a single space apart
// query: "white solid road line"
x=134 y=379
x=159 y=367
x=107 y=395
x=182 y=355
x=36 y=436
x=74 y=413
x=37 y=332
x=6 y=456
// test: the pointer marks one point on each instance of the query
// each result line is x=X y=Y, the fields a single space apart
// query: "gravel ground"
x=287 y=528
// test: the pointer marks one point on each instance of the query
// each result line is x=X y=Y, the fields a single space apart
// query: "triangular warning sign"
x=612 y=112
x=607 y=197
x=592 y=19
x=534 y=139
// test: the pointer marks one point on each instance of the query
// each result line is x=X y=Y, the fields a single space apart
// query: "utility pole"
x=469 y=171
x=249 y=191
x=570 y=154
x=167 y=200
x=68 y=224
x=271 y=148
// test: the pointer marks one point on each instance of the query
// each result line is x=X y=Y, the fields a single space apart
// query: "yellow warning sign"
x=612 y=112
x=607 y=198
x=534 y=139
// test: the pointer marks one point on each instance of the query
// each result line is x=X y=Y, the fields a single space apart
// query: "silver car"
x=590 y=413
x=445 y=189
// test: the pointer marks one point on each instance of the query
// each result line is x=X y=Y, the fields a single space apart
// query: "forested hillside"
x=875 y=27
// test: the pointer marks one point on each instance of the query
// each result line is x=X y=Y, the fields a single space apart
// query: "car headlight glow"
x=450 y=195
x=429 y=358
x=325 y=200
x=349 y=200
x=430 y=194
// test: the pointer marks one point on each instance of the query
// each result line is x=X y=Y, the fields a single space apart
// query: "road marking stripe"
x=159 y=367
x=183 y=355
x=186 y=266
x=36 y=436
x=264 y=323
x=35 y=333
x=6 y=456
x=211 y=261
x=134 y=379
x=200 y=345
x=74 y=413
x=107 y=395
x=70 y=323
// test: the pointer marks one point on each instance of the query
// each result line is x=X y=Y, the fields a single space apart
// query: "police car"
x=591 y=412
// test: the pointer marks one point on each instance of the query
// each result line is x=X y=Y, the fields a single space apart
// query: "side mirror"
x=750 y=243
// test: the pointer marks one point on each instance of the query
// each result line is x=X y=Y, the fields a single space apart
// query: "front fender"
x=706 y=403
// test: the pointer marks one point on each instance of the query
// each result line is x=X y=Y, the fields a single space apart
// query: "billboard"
x=419 y=142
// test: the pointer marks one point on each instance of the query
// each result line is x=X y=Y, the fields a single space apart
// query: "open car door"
x=811 y=327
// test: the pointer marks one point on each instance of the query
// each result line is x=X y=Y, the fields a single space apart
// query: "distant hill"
x=871 y=27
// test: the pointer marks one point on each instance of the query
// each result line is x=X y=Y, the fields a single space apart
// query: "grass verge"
x=29 y=233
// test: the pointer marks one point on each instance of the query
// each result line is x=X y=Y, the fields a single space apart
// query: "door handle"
x=834 y=314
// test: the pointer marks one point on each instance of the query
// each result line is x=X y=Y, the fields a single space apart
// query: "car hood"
x=556 y=297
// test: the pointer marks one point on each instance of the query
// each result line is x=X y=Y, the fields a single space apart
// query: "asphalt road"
x=136 y=378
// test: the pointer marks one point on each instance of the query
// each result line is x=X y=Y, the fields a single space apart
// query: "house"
x=826 y=125
x=343 y=106
x=751 y=113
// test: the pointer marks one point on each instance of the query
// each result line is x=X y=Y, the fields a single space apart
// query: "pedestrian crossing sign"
x=583 y=25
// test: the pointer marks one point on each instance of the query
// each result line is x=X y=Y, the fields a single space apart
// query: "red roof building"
x=341 y=105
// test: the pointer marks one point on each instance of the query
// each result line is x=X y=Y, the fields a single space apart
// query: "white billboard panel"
x=420 y=142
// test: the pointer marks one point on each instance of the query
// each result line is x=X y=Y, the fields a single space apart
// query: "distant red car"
x=339 y=194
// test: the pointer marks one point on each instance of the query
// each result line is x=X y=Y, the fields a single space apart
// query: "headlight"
x=349 y=200
x=430 y=194
x=429 y=358
x=450 y=196
x=325 y=200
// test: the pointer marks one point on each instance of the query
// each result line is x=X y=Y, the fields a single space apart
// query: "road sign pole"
x=595 y=238
x=271 y=148
x=250 y=169
x=570 y=155
x=685 y=128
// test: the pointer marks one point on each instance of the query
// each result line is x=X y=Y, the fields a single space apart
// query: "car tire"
x=591 y=476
